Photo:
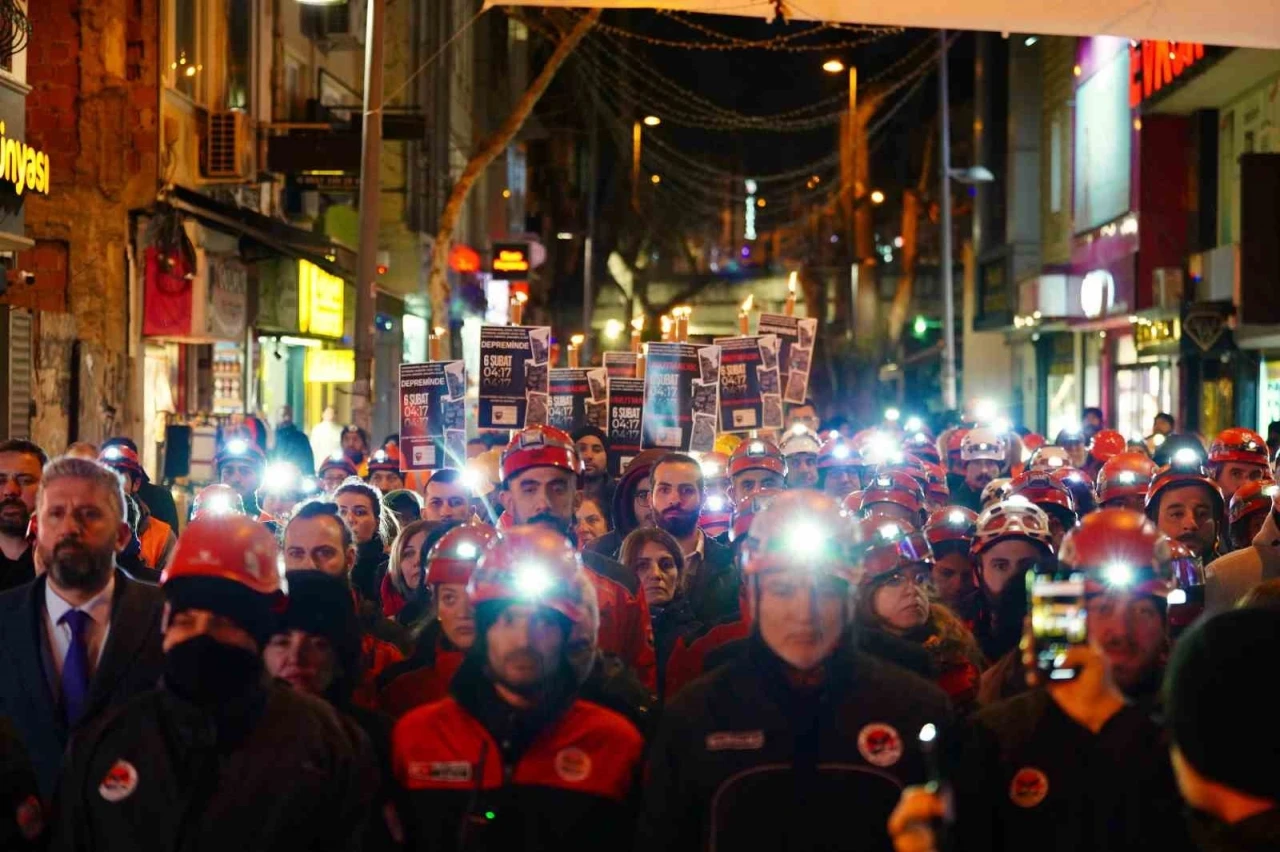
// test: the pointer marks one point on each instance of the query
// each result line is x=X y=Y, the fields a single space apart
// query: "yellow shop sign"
x=23 y=166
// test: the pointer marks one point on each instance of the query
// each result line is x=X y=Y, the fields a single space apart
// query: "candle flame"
x=637 y=323
x=665 y=322
x=791 y=282
x=439 y=332
x=576 y=340
x=521 y=297
x=748 y=302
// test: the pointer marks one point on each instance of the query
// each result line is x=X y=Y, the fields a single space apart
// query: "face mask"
x=207 y=672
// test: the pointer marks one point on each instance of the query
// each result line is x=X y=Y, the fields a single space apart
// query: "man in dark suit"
x=82 y=637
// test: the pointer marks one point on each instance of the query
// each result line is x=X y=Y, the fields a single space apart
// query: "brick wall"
x=93 y=66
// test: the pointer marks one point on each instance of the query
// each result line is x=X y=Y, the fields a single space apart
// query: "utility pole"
x=949 y=401
x=370 y=201
x=588 y=249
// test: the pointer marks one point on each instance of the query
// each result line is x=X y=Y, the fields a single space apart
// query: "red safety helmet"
x=1179 y=475
x=919 y=444
x=950 y=442
x=801 y=529
x=1033 y=441
x=716 y=516
x=954 y=524
x=1081 y=487
x=839 y=452
x=233 y=548
x=1242 y=446
x=453 y=558
x=937 y=487
x=1011 y=520
x=746 y=509
x=1119 y=549
x=239 y=449
x=216 y=500
x=1252 y=498
x=897 y=487
x=851 y=503
x=1125 y=475
x=1186 y=601
x=532 y=564
x=1107 y=444
x=386 y=459
x=884 y=547
x=123 y=460
x=539 y=446
x=339 y=461
x=1040 y=488
x=757 y=454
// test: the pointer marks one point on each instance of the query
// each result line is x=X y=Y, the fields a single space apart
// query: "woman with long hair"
x=374 y=527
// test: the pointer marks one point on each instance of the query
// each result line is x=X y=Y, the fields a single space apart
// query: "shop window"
x=239 y=81
x=186 y=64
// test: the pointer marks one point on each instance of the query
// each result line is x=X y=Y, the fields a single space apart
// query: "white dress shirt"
x=98 y=608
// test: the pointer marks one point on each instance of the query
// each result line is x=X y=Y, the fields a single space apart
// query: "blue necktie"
x=75 y=668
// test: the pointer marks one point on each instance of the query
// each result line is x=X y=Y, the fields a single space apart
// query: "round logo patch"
x=1028 y=787
x=880 y=744
x=573 y=764
x=30 y=818
x=121 y=781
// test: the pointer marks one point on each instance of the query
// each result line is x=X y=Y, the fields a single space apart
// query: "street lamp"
x=637 y=140
x=971 y=175
x=833 y=66
x=652 y=121
x=877 y=197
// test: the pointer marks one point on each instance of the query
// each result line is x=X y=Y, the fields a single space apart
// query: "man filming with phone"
x=1073 y=764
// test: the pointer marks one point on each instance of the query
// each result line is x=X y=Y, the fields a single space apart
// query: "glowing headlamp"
x=889 y=532
x=1055 y=461
x=1118 y=574
x=279 y=478
x=984 y=411
x=711 y=468
x=532 y=580
x=1127 y=477
x=756 y=448
x=806 y=538
x=892 y=415
x=1158 y=439
x=799 y=429
x=1177 y=597
x=841 y=451
x=467 y=550
x=914 y=424
x=714 y=503
x=956 y=517
x=237 y=446
x=380 y=456
x=469 y=478
x=1271 y=490
x=112 y=454
x=217 y=504
x=1186 y=456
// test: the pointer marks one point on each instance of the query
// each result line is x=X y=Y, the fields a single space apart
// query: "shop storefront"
x=1146 y=373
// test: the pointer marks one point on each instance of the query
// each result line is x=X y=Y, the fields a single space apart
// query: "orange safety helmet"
x=1125 y=475
x=717 y=513
x=801 y=529
x=1119 y=549
x=453 y=558
x=239 y=449
x=1011 y=520
x=233 y=548
x=532 y=564
x=385 y=459
x=1107 y=444
x=851 y=504
x=884 y=547
x=757 y=454
x=952 y=525
x=1178 y=476
x=1251 y=498
x=950 y=442
x=539 y=446
x=897 y=487
x=746 y=509
x=123 y=460
x=1081 y=487
x=1242 y=446
x=921 y=445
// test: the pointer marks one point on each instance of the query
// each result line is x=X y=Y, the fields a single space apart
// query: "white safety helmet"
x=799 y=439
x=983 y=445
x=996 y=490
x=1050 y=458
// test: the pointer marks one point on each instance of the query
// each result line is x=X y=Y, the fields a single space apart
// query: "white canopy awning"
x=1234 y=23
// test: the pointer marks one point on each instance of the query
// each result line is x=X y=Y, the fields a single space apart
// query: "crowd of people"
x=818 y=639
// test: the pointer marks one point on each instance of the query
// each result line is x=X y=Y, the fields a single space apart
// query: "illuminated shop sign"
x=510 y=257
x=23 y=166
x=1155 y=64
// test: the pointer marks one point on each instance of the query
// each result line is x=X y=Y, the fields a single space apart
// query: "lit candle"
x=517 y=307
x=681 y=315
x=665 y=322
x=744 y=315
x=575 y=346
x=637 y=326
x=437 y=335
x=790 y=308
x=640 y=361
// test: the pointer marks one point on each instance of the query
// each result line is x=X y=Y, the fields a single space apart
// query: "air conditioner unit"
x=228 y=146
x=336 y=26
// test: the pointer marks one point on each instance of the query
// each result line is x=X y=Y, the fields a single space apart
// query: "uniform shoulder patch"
x=735 y=741
x=1029 y=787
x=879 y=744
x=573 y=764
x=120 y=782
x=447 y=771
